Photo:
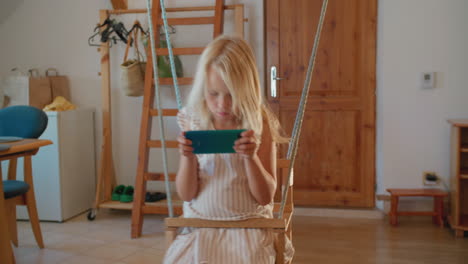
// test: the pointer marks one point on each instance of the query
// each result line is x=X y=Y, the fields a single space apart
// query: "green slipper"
x=118 y=191
x=127 y=195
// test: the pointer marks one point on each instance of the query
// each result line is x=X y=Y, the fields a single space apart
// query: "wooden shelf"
x=463 y=225
x=464 y=220
x=459 y=177
x=464 y=148
x=464 y=173
x=116 y=205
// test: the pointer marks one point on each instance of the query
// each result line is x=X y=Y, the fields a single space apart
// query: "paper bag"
x=58 y=84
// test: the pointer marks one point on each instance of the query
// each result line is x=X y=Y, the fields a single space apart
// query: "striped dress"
x=223 y=195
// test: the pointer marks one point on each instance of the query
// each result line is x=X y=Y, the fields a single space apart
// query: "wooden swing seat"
x=280 y=226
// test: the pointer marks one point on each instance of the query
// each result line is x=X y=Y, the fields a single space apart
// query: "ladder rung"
x=157 y=143
x=169 y=9
x=196 y=8
x=161 y=208
x=165 y=112
x=180 y=81
x=180 y=51
x=157 y=176
x=189 y=21
x=283 y=163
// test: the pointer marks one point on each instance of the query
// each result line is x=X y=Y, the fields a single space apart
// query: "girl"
x=227 y=95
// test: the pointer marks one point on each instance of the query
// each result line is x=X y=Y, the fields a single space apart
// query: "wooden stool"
x=437 y=213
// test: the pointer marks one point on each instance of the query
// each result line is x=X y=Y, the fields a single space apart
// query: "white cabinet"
x=64 y=173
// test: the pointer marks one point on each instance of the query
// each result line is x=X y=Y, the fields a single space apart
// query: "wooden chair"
x=24 y=122
x=281 y=226
x=6 y=252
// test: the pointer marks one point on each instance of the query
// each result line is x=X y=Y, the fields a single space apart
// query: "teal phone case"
x=213 y=141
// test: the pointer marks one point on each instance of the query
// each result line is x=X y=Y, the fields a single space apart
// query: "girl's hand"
x=246 y=145
x=185 y=146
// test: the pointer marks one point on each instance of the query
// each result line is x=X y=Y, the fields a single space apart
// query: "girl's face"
x=218 y=98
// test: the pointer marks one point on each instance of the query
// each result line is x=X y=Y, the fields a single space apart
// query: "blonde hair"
x=234 y=61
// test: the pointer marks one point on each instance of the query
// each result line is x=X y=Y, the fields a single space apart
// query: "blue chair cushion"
x=14 y=188
x=22 y=121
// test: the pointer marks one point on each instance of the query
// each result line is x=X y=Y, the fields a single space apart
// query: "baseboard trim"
x=340 y=213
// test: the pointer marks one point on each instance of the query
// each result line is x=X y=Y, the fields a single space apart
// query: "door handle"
x=273 y=78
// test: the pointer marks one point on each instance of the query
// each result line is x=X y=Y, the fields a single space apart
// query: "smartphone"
x=213 y=141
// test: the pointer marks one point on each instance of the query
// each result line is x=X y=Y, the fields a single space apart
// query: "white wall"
x=412 y=131
x=413 y=36
x=54 y=33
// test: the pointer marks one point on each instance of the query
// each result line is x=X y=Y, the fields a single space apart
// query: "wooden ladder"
x=143 y=175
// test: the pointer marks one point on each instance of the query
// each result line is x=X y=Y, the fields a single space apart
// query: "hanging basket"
x=133 y=71
x=133 y=77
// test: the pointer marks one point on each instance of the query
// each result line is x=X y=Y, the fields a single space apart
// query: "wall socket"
x=430 y=178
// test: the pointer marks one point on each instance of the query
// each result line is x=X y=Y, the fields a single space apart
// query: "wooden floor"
x=317 y=240
x=415 y=240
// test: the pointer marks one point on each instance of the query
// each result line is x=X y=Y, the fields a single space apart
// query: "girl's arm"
x=187 y=175
x=260 y=165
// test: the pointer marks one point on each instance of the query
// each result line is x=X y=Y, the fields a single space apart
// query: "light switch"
x=428 y=80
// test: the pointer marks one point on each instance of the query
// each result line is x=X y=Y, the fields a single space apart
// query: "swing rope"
x=158 y=101
x=171 y=55
x=293 y=145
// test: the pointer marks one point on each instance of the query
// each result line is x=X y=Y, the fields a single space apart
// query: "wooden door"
x=335 y=165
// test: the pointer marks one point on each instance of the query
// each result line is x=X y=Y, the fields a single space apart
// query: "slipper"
x=148 y=197
x=116 y=194
x=154 y=197
x=127 y=195
x=158 y=196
